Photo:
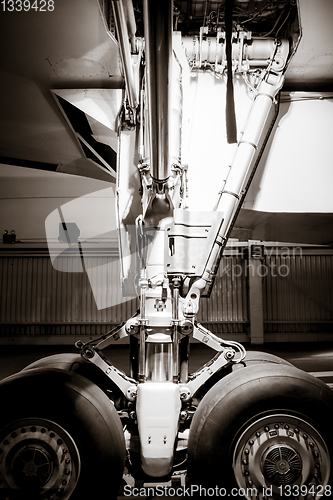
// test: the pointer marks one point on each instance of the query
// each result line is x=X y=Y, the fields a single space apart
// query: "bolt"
x=311 y=444
x=183 y=415
x=251 y=442
x=316 y=454
x=67 y=472
x=89 y=353
x=258 y=434
x=315 y=475
x=266 y=429
x=59 y=442
x=64 y=451
x=305 y=436
x=276 y=426
x=245 y=462
x=64 y=482
x=249 y=482
x=246 y=473
x=67 y=461
x=286 y=426
x=246 y=452
x=296 y=430
x=318 y=466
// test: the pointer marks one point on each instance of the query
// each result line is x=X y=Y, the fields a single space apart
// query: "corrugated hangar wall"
x=293 y=288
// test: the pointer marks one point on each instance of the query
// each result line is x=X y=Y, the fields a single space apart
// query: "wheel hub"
x=278 y=451
x=282 y=465
x=38 y=459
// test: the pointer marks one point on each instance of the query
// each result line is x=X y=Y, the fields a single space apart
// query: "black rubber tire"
x=255 y=357
x=74 y=362
x=241 y=399
x=84 y=412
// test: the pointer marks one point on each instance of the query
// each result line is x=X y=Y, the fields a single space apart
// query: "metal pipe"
x=125 y=53
x=175 y=320
x=158 y=53
x=130 y=22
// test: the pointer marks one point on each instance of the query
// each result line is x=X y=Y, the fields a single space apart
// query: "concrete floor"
x=316 y=358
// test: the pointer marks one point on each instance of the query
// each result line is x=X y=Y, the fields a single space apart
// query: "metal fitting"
x=132 y=326
x=185 y=393
x=186 y=327
x=229 y=354
x=131 y=393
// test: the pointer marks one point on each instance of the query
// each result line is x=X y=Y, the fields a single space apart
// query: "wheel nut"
x=67 y=461
x=246 y=452
x=276 y=426
x=296 y=430
x=311 y=445
x=246 y=473
x=67 y=472
x=258 y=434
x=251 y=442
x=64 y=451
x=266 y=429
x=286 y=426
x=245 y=462
x=305 y=436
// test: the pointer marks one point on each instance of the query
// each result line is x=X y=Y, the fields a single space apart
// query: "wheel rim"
x=38 y=459
x=281 y=454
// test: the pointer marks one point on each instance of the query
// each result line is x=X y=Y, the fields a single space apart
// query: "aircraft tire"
x=267 y=425
x=60 y=438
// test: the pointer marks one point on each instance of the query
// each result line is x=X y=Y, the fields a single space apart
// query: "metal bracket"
x=226 y=356
x=127 y=385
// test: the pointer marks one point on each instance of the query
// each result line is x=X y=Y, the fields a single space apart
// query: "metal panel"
x=226 y=311
x=298 y=293
x=38 y=297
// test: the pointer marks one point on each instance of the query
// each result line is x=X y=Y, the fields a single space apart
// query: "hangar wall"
x=285 y=294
